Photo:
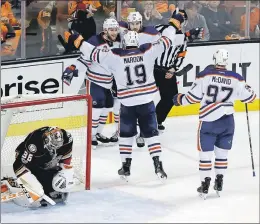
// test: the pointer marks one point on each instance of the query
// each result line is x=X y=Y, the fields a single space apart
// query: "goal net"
x=21 y=115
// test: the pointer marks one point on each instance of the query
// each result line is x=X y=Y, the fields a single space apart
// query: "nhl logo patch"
x=32 y=148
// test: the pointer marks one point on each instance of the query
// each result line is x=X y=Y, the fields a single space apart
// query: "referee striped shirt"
x=173 y=56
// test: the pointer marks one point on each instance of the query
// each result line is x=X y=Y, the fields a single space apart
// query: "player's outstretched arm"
x=194 y=95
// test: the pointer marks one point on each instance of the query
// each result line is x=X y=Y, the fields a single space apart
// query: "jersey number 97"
x=213 y=91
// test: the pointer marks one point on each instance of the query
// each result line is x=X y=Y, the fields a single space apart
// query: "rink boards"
x=45 y=77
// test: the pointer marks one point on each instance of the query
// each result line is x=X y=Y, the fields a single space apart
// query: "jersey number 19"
x=140 y=73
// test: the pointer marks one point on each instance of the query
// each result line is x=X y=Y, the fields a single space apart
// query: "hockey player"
x=132 y=68
x=100 y=79
x=216 y=89
x=146 y=35
x=169 y=61
x=42 y=167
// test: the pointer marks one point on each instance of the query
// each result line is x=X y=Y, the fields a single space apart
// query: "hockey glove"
x=195 y=34
x=73 y=39
x=177 y=99
x=69 y=73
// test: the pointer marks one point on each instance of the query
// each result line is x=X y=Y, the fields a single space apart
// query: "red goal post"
x=59 y=106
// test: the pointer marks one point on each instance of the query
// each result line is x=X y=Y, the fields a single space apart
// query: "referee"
x=168 y=63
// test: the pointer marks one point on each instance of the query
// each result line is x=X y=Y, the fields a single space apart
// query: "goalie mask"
x=53 y=139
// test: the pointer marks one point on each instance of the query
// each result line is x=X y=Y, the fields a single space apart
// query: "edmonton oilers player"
x=99 y=79
x=132 y=68
x=146 y=35
x=216 y=89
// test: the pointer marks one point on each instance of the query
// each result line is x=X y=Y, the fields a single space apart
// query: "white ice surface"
x=145 y=199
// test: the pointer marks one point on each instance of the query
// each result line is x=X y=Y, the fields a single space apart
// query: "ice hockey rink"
x=145 y=199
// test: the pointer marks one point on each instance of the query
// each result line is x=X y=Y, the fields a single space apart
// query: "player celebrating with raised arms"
x=216 y=89
x=100 y=79
x=132 y=68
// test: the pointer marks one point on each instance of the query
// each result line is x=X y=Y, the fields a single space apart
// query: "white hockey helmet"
x=131 y=39
x=220 y=57
x=134 y=17
x=110 y=23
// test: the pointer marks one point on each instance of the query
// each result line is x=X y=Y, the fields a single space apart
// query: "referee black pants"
x=167 y=88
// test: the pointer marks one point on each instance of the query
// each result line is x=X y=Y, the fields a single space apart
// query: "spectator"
x=107 y=9
x=39 y=38
x=151 y=16
x=218 y=20
x=195 y=20
x=7 y=30
x=64 y=11
x=83 y=17
x=6 y=11
x=127 y=7
x=254 y=21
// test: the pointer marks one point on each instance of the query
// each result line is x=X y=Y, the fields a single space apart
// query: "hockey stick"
x=249 y=132
x=250 y=142
x=179 y=73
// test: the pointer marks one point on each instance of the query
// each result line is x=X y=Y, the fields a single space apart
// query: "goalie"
x=42 y=167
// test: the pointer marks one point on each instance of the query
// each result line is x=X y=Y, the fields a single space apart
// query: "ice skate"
x=94 y=142
x=161 y=127
x=102 y=138
x=140 y=142
x=218 y=184
x=204 y=188
x=114 y=137
x=159 y=168
x=124 y=172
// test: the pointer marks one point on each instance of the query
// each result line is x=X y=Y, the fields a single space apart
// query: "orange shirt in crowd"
x=4 y=31
x=6 y=11
x=72 y=5
x=162 y=6
x=254 y=20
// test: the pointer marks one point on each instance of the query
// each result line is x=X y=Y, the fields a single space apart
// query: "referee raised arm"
x=168 y=63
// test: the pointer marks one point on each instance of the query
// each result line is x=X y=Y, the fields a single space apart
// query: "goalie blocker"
x=42 y=167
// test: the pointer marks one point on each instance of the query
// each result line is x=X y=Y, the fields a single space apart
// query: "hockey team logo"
x=32 y=148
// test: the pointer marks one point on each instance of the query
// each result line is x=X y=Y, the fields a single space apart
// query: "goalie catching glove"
x=63 y=181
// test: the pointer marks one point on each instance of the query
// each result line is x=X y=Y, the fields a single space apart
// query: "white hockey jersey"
x=95 y=72
x=146 y=35
x=132 y=69
x=216 y=90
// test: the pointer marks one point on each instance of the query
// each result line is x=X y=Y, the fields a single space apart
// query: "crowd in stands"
x=45 y=20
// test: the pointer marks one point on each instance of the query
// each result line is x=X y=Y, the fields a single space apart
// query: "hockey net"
x=21 y=115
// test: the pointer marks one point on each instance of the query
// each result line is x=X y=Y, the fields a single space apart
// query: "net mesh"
x=71 y=116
